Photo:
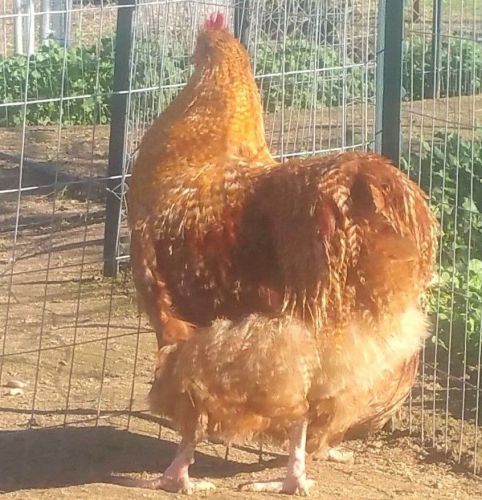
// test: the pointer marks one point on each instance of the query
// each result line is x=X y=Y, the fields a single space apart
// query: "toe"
x=289 y=486
x=183 y=485
x=301 y=487
x=340 y=456
x=263 y=486
x=198 y=485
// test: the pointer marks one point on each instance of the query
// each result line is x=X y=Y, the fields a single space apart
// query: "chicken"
x=286 y=298
x=385 y=400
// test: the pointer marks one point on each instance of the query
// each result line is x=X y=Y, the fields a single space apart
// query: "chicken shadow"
x=52 y=458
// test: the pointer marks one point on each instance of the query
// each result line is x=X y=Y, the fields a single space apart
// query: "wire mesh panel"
x=442 y=150
x=69 y=336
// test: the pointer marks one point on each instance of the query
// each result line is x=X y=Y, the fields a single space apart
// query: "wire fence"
x=442 y=145
x=73 y=350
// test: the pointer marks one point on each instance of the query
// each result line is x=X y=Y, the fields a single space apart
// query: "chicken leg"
x=176 y=477
x=295 y=481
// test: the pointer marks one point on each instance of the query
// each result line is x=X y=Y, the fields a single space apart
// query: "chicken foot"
x=295 y=482
x=336 y=454
x=175 y=478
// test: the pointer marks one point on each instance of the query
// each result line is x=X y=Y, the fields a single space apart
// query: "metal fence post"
x=241 y=21
x=436 y=52
x=24 y=27
x=389 y=78
x=118 y=130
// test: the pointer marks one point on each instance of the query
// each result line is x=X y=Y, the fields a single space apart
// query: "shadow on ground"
x=50 y=458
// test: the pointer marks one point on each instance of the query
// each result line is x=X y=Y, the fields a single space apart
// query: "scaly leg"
x=295 y=481
x=176 y=477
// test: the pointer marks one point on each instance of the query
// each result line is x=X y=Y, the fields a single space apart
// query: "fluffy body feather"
x=239 y=380
x=319 y=265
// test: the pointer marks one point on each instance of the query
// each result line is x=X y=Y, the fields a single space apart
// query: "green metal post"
x=118 y=130
x=241 y=21
x=389 y=78
x=436 y=52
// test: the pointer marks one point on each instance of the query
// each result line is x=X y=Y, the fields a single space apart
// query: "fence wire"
x=73 y=351
x=442 y=145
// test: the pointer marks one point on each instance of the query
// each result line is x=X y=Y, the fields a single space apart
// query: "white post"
x=45 y=31
x=18 y=27
x=29 y=28
x=57 y=24
x=61 y=23
x=24 y=28
x=68 y=22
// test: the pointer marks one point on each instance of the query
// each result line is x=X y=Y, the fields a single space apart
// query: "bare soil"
x=77 y=462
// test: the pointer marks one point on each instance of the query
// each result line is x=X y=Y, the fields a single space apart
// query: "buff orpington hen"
x=286 y=298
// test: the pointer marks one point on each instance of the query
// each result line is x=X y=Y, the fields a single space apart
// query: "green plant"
x=82 y=76
x=309 y=75
x=460 y=68
x=313 y=75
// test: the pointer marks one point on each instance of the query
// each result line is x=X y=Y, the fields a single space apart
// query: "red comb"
x=215 y=21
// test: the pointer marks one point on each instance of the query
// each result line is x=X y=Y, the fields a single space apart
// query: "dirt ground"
x=81 y=151
x=75 y=343
x=77 y=462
